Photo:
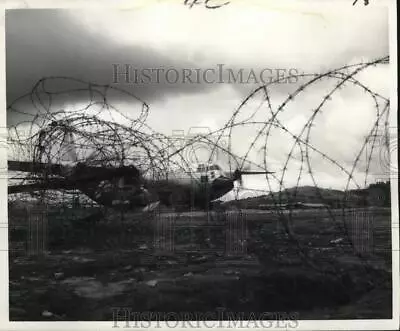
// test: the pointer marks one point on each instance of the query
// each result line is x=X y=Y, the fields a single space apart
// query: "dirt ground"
x=79 y=265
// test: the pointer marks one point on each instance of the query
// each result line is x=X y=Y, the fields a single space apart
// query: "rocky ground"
x=86 y=264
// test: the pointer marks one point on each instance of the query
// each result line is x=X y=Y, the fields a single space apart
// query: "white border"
x=303 y=325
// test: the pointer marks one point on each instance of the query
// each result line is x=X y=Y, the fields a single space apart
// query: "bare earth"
x=231 y=262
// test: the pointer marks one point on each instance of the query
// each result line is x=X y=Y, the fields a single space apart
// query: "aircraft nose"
x=222 y=184
x=146 y=194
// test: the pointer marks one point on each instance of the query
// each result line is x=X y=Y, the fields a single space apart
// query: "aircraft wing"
x=53 y=184
x=27 y=166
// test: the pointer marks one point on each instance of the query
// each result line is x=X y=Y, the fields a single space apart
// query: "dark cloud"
x=41 y=43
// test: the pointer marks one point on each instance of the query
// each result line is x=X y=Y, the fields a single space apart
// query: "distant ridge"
x=377 y=194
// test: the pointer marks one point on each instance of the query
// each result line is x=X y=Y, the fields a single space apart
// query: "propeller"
x=237 y=177
x=237 y=174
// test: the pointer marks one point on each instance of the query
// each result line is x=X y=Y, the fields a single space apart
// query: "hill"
x=377 y=194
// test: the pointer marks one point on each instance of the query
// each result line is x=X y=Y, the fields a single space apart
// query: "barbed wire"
x=97 y=132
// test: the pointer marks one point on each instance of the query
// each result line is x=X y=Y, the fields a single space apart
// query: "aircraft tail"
x=68 y=148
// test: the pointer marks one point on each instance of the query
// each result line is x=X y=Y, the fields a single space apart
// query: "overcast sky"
x=85 y=44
